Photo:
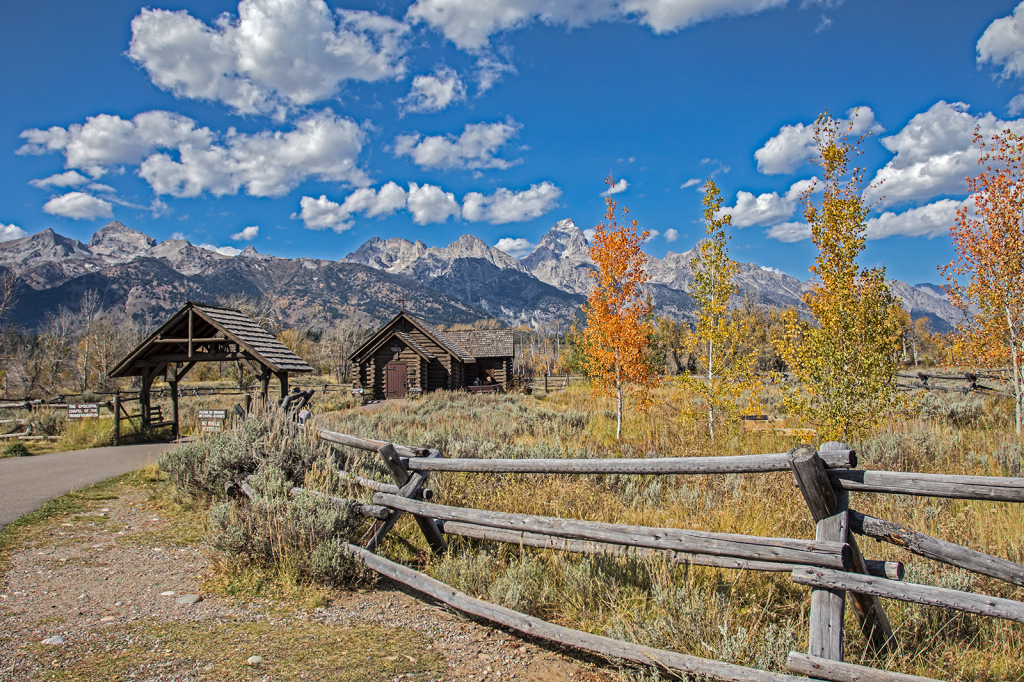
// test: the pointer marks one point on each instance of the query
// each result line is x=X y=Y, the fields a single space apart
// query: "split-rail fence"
x=831 y=564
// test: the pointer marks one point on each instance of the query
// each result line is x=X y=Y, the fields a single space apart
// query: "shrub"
x=958 y=410
x=15 y=449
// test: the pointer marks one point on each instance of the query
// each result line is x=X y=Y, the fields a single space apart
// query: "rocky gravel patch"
x=109 y=593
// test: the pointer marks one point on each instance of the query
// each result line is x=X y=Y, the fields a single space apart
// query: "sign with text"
x=83 y=410
x=211 y=421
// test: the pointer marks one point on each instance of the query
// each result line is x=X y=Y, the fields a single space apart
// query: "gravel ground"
x=98 y=585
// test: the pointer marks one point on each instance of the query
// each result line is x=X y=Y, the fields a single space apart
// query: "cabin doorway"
x=395 y=380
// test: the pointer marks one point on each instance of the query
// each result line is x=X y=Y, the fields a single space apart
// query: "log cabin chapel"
x=409 y=355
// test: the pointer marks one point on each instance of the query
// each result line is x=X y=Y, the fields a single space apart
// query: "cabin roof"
x=210 y=321
x=484 y=343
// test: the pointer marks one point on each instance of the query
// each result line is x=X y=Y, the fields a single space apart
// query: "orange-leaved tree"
x=618 y=316
x=725 y=380
x=846 y=356
x=990 y=255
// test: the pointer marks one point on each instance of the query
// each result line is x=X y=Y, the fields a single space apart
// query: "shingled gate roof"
x=208 y=321
x=484 y=343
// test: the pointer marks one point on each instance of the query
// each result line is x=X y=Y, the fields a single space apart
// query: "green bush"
x=956 y=409
x=15 y=449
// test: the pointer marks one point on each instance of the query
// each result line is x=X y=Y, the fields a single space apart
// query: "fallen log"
x=980 y=604
x=938 y=550
x=369 y=444
x=809 y=552
x=837 y=671
x=535 y=627
x=994 y=488
x=883 y=569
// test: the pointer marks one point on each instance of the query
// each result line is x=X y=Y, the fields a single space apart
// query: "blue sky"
x=325 y=124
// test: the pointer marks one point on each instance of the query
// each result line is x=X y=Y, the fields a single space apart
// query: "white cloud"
x=505 y=206
x=67 y=179
x=434 y=92
x=517 y=247
x=671 y=235
x=222 y=250
x=177 y=235
x=789 y=232
x=275 y=55
x=935 y=151
x=321 y=145
x=1002 y=43
x=589 y=234
x=930 y=220
x=322 y=213
x=617 y=188
x=431 y=204
x=652 y=234
x=80 y=206
x=794 y=145
x=100 y=187
x=474 y=148
x=690 y=183
x=12 y=231
x=769 y=208
x=491 y=68
x=470 y=23
x=771 y=269
x=105 y=140
x=247 y=234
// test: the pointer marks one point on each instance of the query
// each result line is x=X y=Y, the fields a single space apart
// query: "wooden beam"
x=370 y=510
x=993 y=488
x=731 y=464
x=190 y=334
x=535 y=627
x=883 y=569
x=938 y=550
x=187 y=341
x=829 y=510
x=410 y=488
x=832 y=554
x=980 y=604
x=835 y=671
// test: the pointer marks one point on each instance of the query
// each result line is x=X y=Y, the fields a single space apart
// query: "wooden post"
x=265 y=383
x=190 y=335
x=410 y=487
x=830 y=510
x=283 y=378
x=174 y=410
x=117 y=418
x=147 y=384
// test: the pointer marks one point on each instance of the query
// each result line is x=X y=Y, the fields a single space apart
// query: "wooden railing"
x=831 y=563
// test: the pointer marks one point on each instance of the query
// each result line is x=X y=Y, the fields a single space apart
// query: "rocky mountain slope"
x=461 y=282
x=134 y=274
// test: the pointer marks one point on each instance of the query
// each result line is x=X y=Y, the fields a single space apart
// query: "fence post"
x=829 y=508
x=117 y=418
x=410 y=487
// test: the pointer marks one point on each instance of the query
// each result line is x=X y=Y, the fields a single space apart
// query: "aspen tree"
x=846 y=356
x=614 y=342
x=725 y=381
x=990 y=255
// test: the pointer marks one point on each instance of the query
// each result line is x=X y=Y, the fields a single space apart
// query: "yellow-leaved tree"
x=846 y=355
x=618 y=328
x=725 y=379
x=990 y=255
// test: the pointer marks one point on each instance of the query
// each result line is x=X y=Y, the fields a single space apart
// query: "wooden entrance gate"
x=395 y=380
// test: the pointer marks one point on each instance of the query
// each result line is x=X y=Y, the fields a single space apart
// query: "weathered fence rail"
x=831 y=563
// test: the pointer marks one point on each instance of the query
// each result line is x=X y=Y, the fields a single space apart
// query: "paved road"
x=27 y=483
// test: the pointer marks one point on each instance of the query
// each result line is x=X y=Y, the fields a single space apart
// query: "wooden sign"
x=212 y=421
x=83 y=410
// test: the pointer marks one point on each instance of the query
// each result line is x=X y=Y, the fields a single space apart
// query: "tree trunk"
x=1018 y=380
x=618 y=424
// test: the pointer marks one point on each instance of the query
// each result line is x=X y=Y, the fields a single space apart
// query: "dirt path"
x=27 y=483
x=106 y=588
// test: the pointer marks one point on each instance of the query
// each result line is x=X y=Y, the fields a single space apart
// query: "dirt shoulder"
x=108 y=583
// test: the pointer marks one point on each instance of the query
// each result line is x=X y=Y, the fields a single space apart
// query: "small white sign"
x=213 y=414
x=83 y=410
x=211 y=425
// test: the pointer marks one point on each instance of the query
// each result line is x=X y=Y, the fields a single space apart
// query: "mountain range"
x=461 y=282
